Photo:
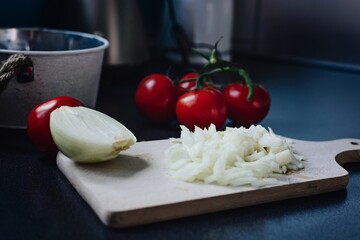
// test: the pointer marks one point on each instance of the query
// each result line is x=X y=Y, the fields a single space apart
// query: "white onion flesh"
x=236 y=156
x=87 y=135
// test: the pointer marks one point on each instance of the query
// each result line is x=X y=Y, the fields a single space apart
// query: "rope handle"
x=17 y=65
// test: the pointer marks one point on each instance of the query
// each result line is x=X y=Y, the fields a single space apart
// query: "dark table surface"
x=309 y=102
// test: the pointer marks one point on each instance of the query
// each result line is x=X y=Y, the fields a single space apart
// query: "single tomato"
x=187 y=82
x=156 y=97
x=201 y=108
x=38 y=123
x=245 y=112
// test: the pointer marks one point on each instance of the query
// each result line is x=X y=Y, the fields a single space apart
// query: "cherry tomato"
x=201 y=108
x=243 y=112
x=156 y=97
x=187 y=86
x=38 y=124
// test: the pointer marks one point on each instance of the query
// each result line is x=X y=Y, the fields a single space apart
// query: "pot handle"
x=17 y=65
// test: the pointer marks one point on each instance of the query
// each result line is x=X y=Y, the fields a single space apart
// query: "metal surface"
x=65 y=63
x=120 y=21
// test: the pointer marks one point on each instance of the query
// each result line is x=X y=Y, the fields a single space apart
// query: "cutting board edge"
x=173 y=210
x=137 y=217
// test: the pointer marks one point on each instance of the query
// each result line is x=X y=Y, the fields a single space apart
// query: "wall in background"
x=320 y=29
x=20 y=13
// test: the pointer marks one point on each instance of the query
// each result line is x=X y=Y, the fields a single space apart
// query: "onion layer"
x=87 y=135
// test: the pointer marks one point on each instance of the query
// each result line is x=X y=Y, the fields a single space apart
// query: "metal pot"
x=58 y=63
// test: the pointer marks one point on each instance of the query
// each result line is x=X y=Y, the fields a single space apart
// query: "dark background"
x=326 y=30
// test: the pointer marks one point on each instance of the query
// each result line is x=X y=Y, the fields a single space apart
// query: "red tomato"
x=201 y=108
x=156 y=97
x=187 y=86
x=243 y=112
x=38 y=124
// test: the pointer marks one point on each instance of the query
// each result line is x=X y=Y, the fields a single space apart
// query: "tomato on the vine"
x=156 y=97
x=188 y=83
x=246 y=112
x=201 y=108
x=187 y=86
x=38 y=123
x=196 y=102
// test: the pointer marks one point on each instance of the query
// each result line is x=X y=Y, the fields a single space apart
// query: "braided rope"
x=11 y=68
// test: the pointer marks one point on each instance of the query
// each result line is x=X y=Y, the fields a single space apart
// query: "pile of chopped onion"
x=236 y=156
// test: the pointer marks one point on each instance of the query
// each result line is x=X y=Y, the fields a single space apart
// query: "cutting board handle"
x=344 y=150
x=348 y=150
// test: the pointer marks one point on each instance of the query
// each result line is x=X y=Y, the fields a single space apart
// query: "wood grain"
x=135 y=188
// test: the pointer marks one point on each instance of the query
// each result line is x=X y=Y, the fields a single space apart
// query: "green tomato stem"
x=201 y=54
x=187 y=80
x=248 y=82
x=199 y=83
x=213 y=61
x=216 y=70
x=240 y=71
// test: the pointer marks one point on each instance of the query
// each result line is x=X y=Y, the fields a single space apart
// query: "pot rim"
x=103 y=46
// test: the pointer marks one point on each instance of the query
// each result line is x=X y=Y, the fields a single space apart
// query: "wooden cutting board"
x=136 y=189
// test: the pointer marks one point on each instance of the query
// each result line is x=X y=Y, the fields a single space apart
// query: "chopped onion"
x=236 y=156
x=87 y=135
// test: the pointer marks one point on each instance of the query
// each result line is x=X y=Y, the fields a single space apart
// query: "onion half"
x=87 y=135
